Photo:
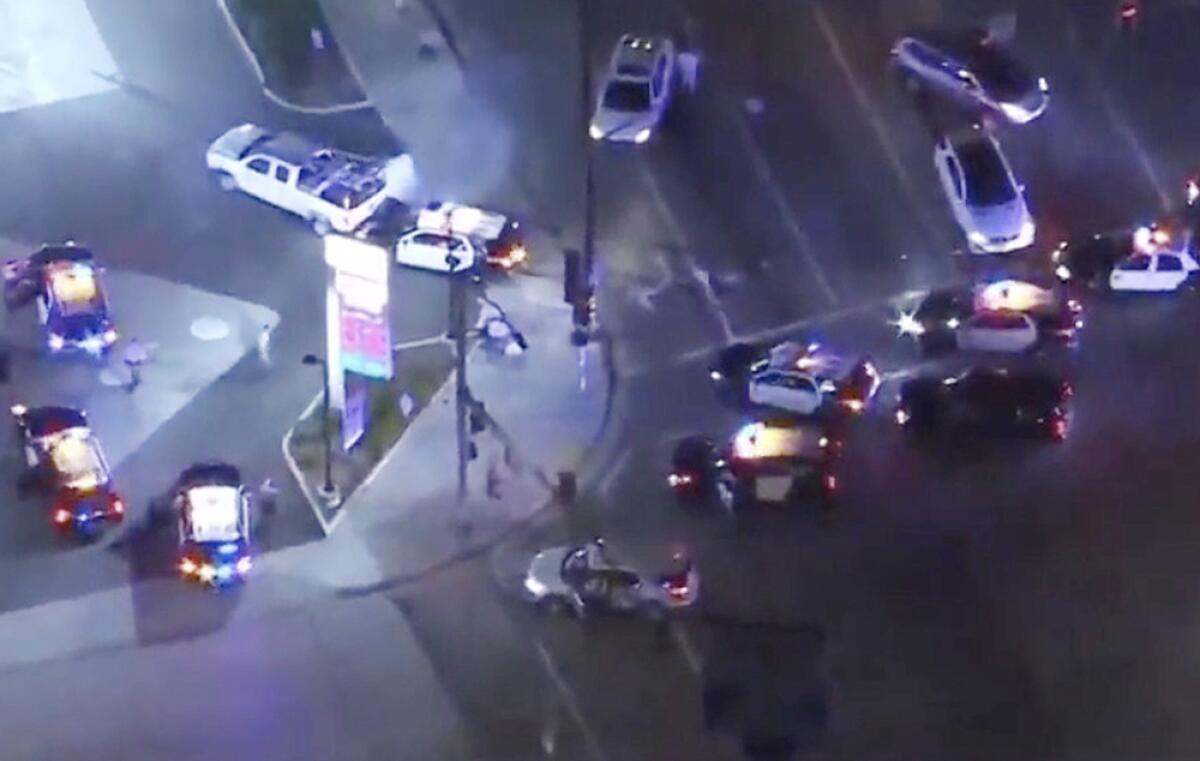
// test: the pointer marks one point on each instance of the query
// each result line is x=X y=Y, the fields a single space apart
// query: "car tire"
x=226 y=181
x=554 y=606
x=321 y=226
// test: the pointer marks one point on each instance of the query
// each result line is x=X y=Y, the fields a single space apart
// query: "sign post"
x=357 y=324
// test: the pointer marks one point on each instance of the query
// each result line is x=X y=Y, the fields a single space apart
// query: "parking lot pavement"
x=340 y=679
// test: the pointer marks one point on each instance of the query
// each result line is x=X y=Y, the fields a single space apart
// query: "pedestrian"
x=135 y=356
x=494 y=478
x=689 y=69
x=267 y=494
x=264 y=345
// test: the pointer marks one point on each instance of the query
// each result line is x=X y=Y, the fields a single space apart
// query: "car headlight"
x=110 y=336
x=534 y=587
x=55 y=341
x=1015 y=112
x=902 y=415
x=678 y=479
x=642 y=136
x=1043 y=85
x=953 y=323
x=714 y=375
x=1063 y=272
x=977 y=238
x=187 y=566
x=207 y=572
x=596 y=132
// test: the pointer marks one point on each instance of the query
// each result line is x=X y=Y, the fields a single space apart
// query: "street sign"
x=360 y=287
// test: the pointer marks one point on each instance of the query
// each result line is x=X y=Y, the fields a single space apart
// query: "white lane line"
x=763 y=170
x=876 y=123
x=699 y=274
x=572 y=705
x=614 y=472
x=688 y=650
x=1125 y=129
x=782 y=331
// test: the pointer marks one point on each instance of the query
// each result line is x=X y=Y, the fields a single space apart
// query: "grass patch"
x=421 y=373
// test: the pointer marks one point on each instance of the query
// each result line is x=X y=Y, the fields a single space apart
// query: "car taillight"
x=679 y=479
x=854 y=404
x=830 y=482
x=1067 y=391
x=678 y=590
x=117 y=507
x=62 y=516
x=1058 y=428
x=187 y=566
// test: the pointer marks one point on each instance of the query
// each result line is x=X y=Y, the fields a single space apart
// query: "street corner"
x=367 y=441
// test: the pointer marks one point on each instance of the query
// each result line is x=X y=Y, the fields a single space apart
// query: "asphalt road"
x=123 y=172
x=1018 y=601
x=1023 y=602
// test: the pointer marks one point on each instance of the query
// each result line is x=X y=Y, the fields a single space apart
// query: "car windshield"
x=1002 y=76
x=987 y=179
x=77 y=460
x=627 y=95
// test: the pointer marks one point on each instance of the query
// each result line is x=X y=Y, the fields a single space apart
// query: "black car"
x=938 y=318
x=989 y=401
x=1088 y=261
x=734 y=363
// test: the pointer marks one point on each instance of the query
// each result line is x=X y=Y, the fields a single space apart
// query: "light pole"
x=328 y=489
x=458 y=333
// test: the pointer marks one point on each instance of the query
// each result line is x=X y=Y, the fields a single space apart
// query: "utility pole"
x=458 y=332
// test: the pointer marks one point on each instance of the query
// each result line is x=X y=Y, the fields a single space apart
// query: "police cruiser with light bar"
x=213 y=509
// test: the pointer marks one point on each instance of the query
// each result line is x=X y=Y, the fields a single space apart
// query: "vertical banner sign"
x=360 y=277
x=354 y=413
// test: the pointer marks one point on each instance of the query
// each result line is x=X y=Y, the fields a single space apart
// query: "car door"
x=1134 y=273
x=256 y=180
x=798 y=393
x=950 y=173
x=1169 y=272
x=281 y=182
x=763 y=387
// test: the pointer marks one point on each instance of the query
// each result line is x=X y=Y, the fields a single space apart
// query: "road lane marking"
x=1125 y=130
x=698 y=273
x=614 y=472
x=876 y=123
x=572 y=705
x=690 y=655
x=797 y=234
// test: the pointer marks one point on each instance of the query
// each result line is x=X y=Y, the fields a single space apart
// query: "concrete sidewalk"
x=546 y=407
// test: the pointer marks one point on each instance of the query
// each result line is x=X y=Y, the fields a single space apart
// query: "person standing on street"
x=264 y=345
x=135 y=356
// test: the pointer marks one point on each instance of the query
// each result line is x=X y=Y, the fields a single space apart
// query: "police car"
x=584 y=579
x=636 y=91
x=804 y=378
x=213 y=508
x=989 y=401
x=62 y=455
x=1006 y=315
x=772 y=461
x=451 y=237
x=64 y=283
x=971 y=67
x=987 y=201
x=333 y=190
x=1150 y=258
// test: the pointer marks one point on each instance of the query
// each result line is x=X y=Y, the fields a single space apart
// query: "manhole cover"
x=209 y=329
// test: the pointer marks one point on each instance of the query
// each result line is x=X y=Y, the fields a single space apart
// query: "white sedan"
x=987 y=201
x=637 y=89
x=789 y=390
x=998 y=331
x=1161 y=271
x=431 y=250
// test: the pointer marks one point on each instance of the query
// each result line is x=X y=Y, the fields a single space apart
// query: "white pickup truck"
x=332 y=190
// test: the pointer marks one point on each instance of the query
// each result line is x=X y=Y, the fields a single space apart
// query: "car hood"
x=546 y=567
x=1001 y=220
x=621 y=125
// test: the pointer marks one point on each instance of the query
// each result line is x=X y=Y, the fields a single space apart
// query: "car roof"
x=65 y=252
x=290 y=147
x=211 y=473
x=635 y=55
x=779 y=439
x=1021 y=385
x=43 y=421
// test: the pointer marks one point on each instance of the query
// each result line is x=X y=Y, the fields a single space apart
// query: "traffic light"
x=572 y=276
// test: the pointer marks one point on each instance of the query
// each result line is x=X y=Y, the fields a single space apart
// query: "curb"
x=275 y=98
x=298 y=475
